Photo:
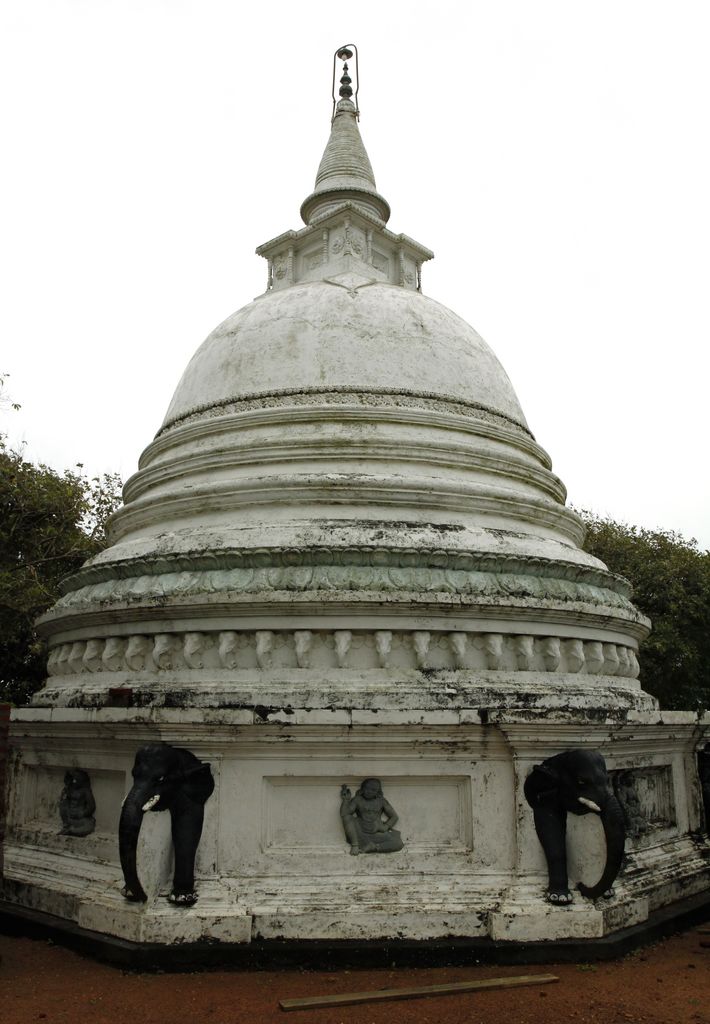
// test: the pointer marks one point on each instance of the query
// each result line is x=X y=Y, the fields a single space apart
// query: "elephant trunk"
x=612 y=818
x=129 y=828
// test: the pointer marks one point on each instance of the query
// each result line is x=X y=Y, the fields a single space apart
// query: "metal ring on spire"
x=344 y=53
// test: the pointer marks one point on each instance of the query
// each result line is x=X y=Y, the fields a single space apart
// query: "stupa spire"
x=346 y=238
x=345 y=172
x=345 y=91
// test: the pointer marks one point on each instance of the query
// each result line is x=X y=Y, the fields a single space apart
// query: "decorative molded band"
x=297 y=449
x=395 y=410
x=362 y=568
x=334 y=396
x=342 y=648
x=469 y=499
x=344 y=580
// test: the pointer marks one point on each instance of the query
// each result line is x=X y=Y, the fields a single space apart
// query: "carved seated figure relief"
x=77 y=805
x=369 y=819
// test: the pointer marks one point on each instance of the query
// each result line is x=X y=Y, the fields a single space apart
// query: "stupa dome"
x=322 y=336
x=345 y=478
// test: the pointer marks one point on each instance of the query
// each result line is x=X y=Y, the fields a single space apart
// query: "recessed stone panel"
x=303 y=813
x=646 y=794
x=43 y=787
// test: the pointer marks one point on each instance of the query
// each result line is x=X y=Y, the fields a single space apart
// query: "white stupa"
x=345 y=556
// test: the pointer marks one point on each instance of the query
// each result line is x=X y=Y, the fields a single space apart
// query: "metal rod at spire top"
x=345 y=91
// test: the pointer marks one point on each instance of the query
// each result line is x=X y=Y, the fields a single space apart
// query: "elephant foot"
x=183 y=899
x=133 y=897
x=354 y=851
x=560 y=899
x=589 y=893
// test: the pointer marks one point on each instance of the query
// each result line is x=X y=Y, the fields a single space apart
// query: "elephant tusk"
x=150 y=804
x=587 y=803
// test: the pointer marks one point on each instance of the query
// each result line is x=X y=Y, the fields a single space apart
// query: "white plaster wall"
x=273 y=859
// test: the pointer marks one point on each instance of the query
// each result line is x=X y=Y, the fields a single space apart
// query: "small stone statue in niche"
x=624 y=786
x=362 y=815
x=77 y=805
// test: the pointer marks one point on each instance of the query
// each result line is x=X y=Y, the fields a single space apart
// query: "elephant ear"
x=186 y=758
x=541 y=785
x=194 y=776
x=186 y=764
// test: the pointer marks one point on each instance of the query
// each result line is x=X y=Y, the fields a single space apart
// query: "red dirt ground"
x=668 y=983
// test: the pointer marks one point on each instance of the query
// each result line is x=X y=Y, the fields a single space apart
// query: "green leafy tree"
x=671 y=580
x=49 y=524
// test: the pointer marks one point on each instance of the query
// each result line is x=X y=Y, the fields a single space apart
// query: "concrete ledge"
x=332 y=955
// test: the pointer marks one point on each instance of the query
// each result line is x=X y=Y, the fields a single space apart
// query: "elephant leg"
x=551 y=828
x=186 y=819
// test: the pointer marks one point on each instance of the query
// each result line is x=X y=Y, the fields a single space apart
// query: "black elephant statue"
x=171 y=779
x=574 y=782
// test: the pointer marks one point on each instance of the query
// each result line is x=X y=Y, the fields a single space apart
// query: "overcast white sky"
x=554 y=155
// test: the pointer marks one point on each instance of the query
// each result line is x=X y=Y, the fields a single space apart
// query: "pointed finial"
x=345 y=91
x=345 y=172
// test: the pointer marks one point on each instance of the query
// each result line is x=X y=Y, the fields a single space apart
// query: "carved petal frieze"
x=113 y=653
x=420 y=642
x=383 y=646
x=182 y=571
x=347 y=580
x=459 y=642
x=228 y=649
x=343 y=639
x=235 y=650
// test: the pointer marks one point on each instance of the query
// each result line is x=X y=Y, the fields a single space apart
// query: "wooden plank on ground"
x=384 y=995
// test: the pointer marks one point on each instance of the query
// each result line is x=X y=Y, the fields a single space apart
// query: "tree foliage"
x=671 y=580
x=49 y=524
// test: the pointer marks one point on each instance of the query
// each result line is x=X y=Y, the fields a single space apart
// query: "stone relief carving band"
x=342 y=648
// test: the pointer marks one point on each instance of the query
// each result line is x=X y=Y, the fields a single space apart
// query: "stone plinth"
x=274 y=862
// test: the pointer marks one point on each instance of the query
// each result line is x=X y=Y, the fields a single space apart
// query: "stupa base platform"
x=382 y=907
x=274 y=865
x=326 y=954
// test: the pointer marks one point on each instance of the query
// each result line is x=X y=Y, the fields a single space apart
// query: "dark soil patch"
x=668 y=983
